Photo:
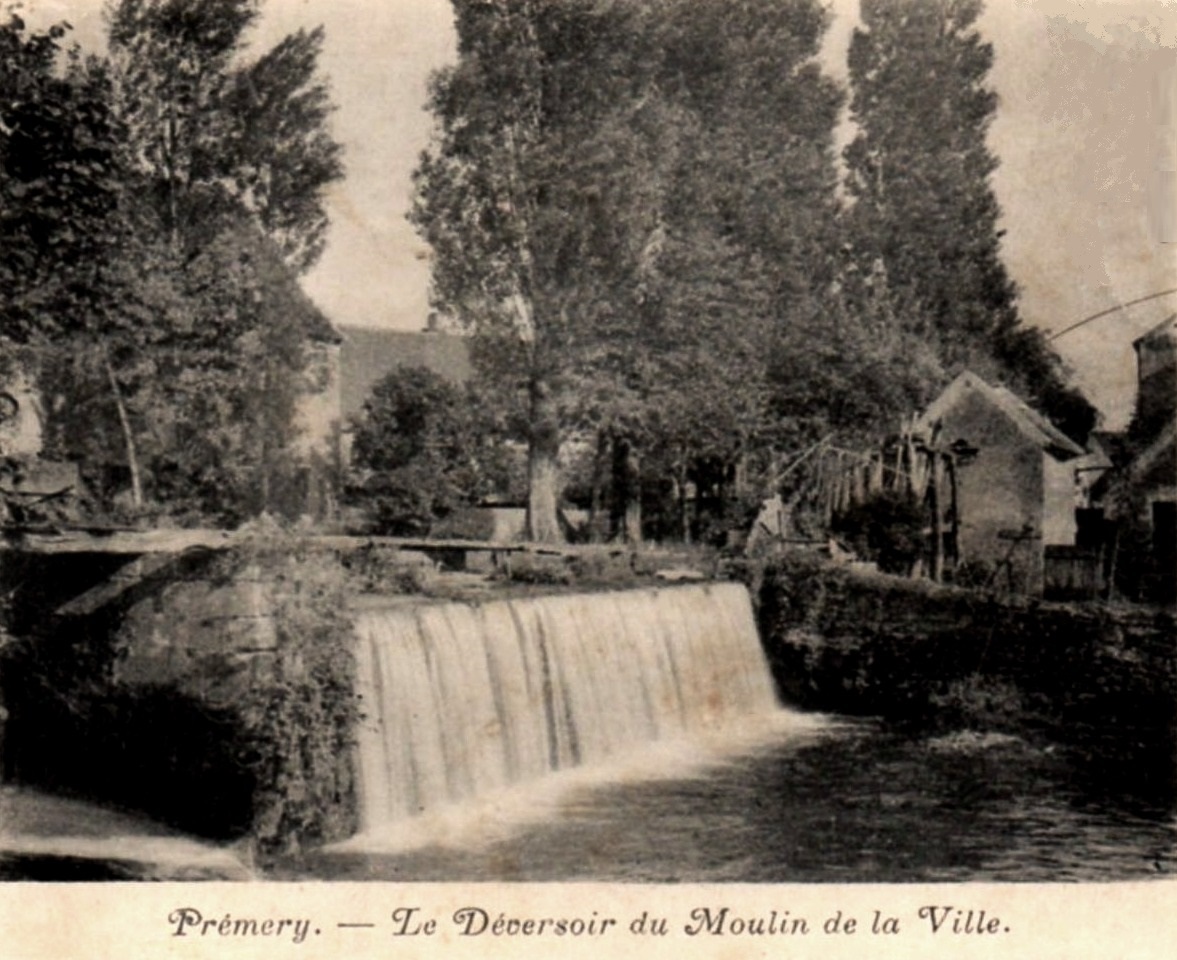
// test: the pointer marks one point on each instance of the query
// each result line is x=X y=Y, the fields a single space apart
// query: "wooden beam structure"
x=141 y=542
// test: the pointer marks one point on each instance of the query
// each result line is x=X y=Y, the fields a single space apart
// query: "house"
x=1016 y=494
x=32 y=489
x=1156 y=377
x=1150 y=474
x=21 y=417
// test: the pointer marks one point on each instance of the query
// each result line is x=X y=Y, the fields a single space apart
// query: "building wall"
x=1156 y=398
x=1061 y=495
x=1000 y=492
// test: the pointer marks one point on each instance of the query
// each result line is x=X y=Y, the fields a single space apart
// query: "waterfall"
x=460 y=700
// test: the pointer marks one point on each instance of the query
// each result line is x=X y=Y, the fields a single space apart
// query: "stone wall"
x=208 y=636
x=926 y=655
x=213 y=692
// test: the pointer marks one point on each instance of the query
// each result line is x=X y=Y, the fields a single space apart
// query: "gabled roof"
x=367 y=355
x=1164 y=331
x=1111 y=444
x=1029 y=422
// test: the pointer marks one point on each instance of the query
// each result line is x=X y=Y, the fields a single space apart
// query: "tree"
x=62 y=233
x=210 y=137
x=59 y=190
x=421 y=448
x=156 y=204
x=919 y=177
x=588 y=150
x=189 y=312
x=526 y=195
x=747 y=197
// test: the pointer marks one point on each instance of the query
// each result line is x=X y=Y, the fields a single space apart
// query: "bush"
x=389 y=570
x=423 y=448
x=539 y=570
x=887 y=529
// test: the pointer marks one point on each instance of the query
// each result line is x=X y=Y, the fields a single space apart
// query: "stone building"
x=1016 y=494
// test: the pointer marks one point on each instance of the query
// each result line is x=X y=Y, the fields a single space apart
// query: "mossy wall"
x=930 y=656
x=218 y=697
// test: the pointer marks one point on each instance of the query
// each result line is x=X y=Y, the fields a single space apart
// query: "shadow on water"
x=862 y=804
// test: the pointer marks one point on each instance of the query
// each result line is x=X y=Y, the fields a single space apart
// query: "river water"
x=833 y=802
x=814 y=800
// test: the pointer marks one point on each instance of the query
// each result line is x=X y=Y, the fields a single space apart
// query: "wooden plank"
x=131 y=575
x=121 y=542
x=138 y=542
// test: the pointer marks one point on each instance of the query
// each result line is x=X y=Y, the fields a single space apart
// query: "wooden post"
x=937 y=516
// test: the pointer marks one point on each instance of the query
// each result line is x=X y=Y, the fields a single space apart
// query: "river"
x=816 y=800
x=850 y=802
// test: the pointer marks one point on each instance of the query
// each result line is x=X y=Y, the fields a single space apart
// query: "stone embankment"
x=938 y=657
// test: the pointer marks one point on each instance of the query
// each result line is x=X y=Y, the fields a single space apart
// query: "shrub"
x=540 y=570
x=887 y=529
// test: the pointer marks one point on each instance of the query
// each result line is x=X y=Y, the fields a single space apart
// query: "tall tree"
x=59 y=186
x=919 y=178
x=748 y=219
x=526 y=196
x=224 y=165
x=622 y=187
x=156 y=204
x=212 y=137
x=63 y=233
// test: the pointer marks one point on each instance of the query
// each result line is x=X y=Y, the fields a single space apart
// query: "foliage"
x=887 y=528
x=300 y=725
x=538 y=570
x=523 y=195
x=591 y=157
x=58 y=182
x=923 y=207
x=209 y=136
x=421 y=448
x=155 y=203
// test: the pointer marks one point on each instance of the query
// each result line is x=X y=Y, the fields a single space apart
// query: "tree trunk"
x=937 y=517
x=633 y=496
x=598 y=524
x=543 y=469
x=627 y=493
x=128 y=434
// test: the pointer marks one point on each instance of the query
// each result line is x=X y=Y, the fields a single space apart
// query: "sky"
x=1085 y=133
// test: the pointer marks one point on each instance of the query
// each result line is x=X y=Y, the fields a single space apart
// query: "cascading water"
x=463 y=700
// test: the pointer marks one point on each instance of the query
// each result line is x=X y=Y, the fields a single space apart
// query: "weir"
x=461 y=700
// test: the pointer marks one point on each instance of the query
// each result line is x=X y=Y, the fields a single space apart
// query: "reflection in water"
x=859 y=804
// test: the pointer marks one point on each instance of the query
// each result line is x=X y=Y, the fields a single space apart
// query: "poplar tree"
x=922 y=202
x=530 y=198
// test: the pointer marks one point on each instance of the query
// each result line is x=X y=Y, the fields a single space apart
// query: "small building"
x=1015 y=496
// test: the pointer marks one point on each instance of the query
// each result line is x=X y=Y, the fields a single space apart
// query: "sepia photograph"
x=630 y=442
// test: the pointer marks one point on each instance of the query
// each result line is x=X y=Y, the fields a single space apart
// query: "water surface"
x=853 y=803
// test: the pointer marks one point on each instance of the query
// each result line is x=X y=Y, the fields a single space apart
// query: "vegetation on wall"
x=298 y=723
x=252 y=742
